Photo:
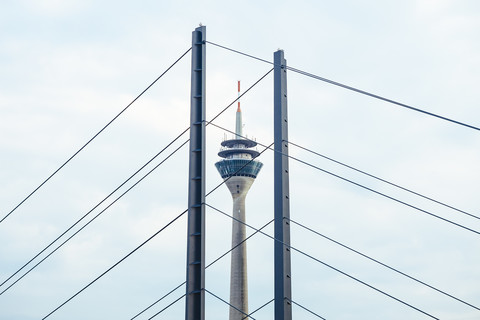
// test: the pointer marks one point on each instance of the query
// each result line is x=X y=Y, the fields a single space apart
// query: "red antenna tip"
x=238 y=108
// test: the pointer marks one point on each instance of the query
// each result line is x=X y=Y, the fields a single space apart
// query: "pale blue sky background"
x=68 y=67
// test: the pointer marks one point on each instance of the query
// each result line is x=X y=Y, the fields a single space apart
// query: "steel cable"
x=384 y=265
x=98 y=133
x=258 y=309
x=385 y=181
x=95 y=207
x=327 y=265
x=163 y=297
x=231 y=306
x=338 y=84
x=171 y=304
x=359 y=185
x=116 y=264
x=306 y=309
x=91 y=220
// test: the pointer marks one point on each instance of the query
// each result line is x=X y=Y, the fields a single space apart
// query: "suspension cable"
x=383 y=180
x=96 y=206
x=338 y=84
x=385 y=195
x=166 y=295
x=306 y=309
x=231 y=306
x=241 y=53
x=117 y=263
x=91 y=220
x=325 y=264
x=238 y=244
x=259 y=308
x=171 y=304
x=91 y=139
x=383 y=264
x=357 y=184
x=241 y=95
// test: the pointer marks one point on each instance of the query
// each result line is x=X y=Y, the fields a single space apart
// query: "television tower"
x=239 y=170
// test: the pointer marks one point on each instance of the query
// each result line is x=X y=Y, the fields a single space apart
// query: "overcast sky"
x=68 y=67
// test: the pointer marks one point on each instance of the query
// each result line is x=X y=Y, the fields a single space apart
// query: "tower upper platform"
x=238 y=148
x=234 y=142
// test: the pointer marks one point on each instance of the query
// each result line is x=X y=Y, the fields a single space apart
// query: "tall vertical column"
x=283 y=287
x=239 y=187
x=195 y=293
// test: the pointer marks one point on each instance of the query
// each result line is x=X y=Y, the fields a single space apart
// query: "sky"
x=68 y=67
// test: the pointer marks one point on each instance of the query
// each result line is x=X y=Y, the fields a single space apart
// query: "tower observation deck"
x=239 y=170
x=238 y=159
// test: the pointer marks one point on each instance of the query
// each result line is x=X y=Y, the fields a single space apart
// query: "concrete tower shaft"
x=239 y=187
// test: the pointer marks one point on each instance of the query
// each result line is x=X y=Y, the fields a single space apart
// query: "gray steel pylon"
x=283 y=287
x=195 y=293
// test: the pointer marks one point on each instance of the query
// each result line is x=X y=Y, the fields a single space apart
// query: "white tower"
x=239 y=171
